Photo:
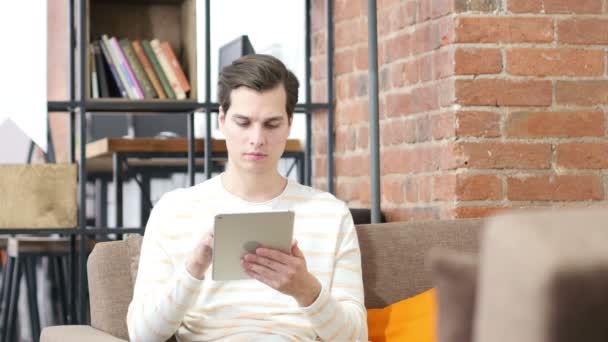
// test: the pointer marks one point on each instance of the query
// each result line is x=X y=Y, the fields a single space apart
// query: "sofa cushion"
x=543 y=277
x=455 y=277
x=133 y=251
x=393 y=255
x=411 y=319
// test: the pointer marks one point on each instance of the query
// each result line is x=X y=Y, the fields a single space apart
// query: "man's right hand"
x=201 y=257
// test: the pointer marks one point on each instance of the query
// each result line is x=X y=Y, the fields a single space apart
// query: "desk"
x=149 y=157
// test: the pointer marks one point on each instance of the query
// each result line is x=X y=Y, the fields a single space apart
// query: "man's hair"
x=258 y=72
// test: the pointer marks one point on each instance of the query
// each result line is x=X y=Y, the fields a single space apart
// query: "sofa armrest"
x=76 y=333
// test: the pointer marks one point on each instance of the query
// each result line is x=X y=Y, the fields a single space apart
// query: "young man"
x=313 y=293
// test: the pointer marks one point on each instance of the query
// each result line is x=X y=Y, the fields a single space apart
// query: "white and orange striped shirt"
x=167 y=300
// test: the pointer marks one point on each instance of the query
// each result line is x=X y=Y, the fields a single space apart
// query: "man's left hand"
x=285 y=273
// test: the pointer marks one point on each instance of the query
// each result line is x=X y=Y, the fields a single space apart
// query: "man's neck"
x=253 y=187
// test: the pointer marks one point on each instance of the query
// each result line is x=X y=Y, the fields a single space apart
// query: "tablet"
x=241 y=233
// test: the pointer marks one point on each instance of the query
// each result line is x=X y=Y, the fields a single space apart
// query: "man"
x=313 y=293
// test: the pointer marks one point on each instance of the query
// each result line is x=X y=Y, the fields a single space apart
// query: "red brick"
x=573 y=6
x=425 y=68
x=352 y=165
x=411 y=190
x=361 y=58
x=351 y=112
x=555 y=62
x=425 y=188
x=444 y=187
x=320 y=166
x=497 y=155
x=585 y=31
x=425 y=99
x=319 y=92
x=445 y=31
x=476 y=211
x=365 y=192
x=447 y=92
x=472 y=61
x=555 y=188
x=582 y=93
x=399 y=104
x=444 y=64
x=347 y=9
x=404 y=73
x=555 y=124
x=501 y=92
x=363 y=137
x=398 y=18
x=393 y=190
x=387 y=3
x=478 y=124
x=423 y=128
x=319 y=69
x=409 y=160
x=424 y=10
x=525 y=6
x=345 y=139
x=398 y=47
x=319 y=144
x=476 y=5
x=583 y=155
x=344 y=62
x=317 y=15
x=396 y=132
x=478 y=187
x=504 y=30
x=441 y=8
x=410 y=214
x=443 y=125
x=318 y=43
x=349 y=33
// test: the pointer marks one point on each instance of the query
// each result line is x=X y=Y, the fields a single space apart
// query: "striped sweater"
x=167 y=300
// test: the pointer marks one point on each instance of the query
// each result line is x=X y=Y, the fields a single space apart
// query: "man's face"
x=256 y=128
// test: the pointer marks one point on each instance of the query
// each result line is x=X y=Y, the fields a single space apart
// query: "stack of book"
x=137 y=70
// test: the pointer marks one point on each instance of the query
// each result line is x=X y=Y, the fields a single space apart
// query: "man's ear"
x=221 y=118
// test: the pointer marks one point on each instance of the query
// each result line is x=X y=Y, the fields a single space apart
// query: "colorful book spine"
x=124 y=65
x=138 y=70
x=145 y=63
x=118 y=73
x=164 y=63
x=158 y=69
x=181 y=77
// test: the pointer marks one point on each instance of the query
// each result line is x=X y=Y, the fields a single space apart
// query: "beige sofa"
x=394 y=267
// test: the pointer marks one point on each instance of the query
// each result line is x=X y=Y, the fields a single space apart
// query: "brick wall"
x=484 y=104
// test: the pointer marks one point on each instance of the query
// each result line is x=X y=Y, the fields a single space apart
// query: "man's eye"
x=242 y=123
x=272 y=126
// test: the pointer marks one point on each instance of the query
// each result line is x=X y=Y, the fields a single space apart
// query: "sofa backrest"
x=110 y=287
x=393 y=255
x=393 y=258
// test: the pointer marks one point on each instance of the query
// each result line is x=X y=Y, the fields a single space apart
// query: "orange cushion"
x=412 y=320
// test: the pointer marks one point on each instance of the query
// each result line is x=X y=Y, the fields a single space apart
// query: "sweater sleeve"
x=338 y=313
x=163 y=292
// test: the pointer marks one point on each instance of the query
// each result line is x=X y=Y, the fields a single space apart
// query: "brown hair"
x=260 y=73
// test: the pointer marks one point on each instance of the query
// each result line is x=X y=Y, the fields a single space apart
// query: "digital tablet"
x=238 y=234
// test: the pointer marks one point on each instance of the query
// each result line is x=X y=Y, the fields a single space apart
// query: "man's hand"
x=283 y=272
x=200 y=258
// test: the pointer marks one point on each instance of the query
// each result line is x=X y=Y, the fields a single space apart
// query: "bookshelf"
x=167 y=20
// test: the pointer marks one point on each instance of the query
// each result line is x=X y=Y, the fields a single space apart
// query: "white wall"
x=13 y=144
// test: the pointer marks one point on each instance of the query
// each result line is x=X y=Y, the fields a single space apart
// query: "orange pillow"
x=412 y=320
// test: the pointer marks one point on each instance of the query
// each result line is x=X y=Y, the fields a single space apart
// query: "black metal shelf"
x=164 y=106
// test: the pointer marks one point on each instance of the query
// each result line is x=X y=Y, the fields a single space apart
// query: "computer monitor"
x=235 y=49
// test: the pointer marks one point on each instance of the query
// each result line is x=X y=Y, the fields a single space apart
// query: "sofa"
x=526 y=276
x=394 y=259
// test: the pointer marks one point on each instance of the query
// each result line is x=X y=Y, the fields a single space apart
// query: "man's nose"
x=257 y=137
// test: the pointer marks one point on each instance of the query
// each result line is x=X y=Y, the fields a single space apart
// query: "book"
x=145 y=63
x=118 y=73
x=167 y=69
x=124 y=66
x=158 y=69
x=138 y=71
x=181 y=77
x=94 y=84
x=102 y=76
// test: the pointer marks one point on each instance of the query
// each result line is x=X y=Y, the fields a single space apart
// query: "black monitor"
x=235 y=49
